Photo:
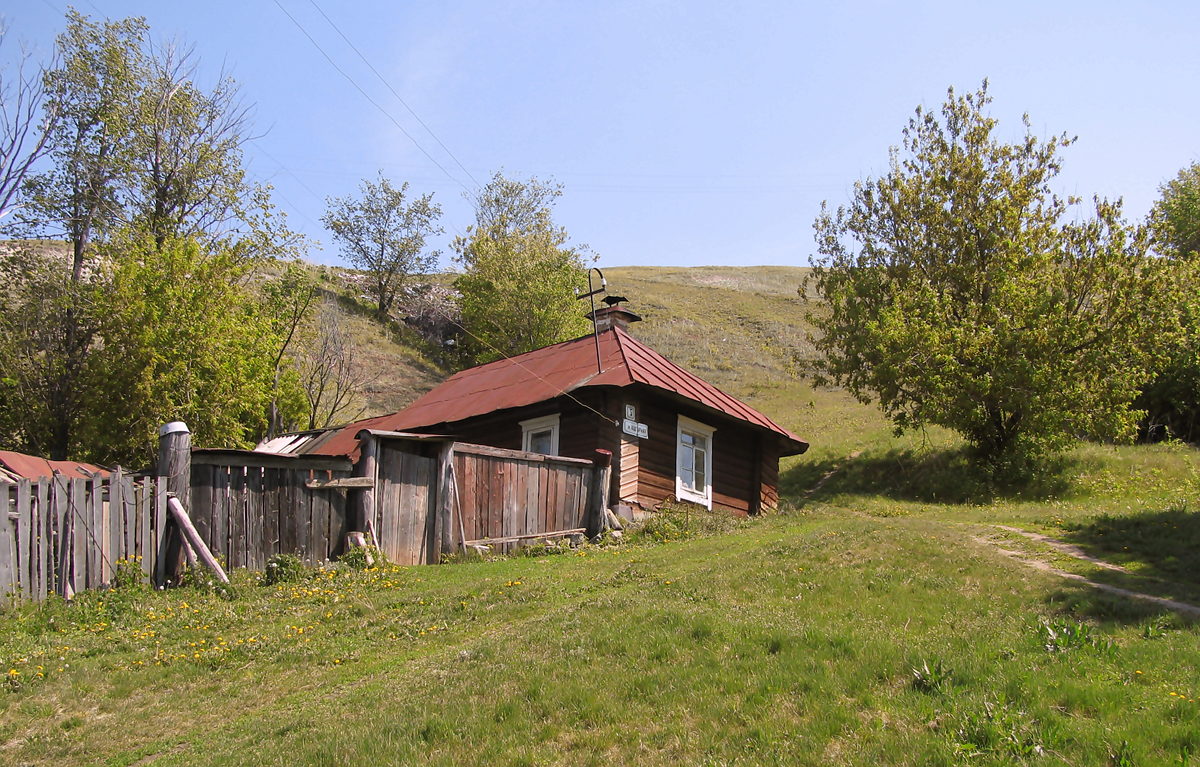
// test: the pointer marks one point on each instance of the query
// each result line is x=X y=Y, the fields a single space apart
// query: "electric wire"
x=368 y=97
x=388 y=85
x=560 y=390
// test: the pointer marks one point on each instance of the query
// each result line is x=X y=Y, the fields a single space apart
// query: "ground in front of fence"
x=815 y=638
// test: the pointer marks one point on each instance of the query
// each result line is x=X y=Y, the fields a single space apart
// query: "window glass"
x=541 y=441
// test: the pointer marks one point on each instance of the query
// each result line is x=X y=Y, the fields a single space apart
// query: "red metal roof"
x=546 y=373
x=21 y=466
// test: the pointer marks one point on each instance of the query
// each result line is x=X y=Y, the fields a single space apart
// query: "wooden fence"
x=250 y=506
x=63 y=535
x=505 y=495
x=419 y=497
x=432 y=496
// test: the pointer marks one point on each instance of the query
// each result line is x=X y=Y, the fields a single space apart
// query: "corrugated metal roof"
x=547 y=373
x=15 y=466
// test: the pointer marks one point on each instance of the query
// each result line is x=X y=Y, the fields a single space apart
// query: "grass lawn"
x=868 y=626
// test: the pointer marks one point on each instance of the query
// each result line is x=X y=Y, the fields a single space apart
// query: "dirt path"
x=1076 y=552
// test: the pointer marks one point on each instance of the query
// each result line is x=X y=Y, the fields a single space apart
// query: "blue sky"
x=684 y=133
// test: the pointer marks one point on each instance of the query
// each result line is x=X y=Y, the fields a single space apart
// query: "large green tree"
x=520 y=275
x=383 y=232
x=1172 y=399
x=140 y=158
x=183 y=339
x=961 y=291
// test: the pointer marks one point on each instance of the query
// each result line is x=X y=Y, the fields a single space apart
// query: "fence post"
x=444 y=521
x=365 y=512
x=175 y=464
x=598 y=493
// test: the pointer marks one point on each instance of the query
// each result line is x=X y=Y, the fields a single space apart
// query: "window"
x=540 y=435
x=693 y=465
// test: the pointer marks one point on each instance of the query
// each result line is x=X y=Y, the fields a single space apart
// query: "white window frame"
x=704 y=498
x=534 y=425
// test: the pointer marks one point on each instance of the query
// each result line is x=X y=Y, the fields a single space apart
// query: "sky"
x=684 y=133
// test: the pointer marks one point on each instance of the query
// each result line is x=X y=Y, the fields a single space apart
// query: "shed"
x=672 y=435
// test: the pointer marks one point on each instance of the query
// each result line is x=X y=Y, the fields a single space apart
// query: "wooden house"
x=671 y=434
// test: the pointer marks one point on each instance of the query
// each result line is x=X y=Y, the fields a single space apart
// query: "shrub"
x=283 y=568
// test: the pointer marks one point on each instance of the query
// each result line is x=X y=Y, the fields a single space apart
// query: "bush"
x=284 y=568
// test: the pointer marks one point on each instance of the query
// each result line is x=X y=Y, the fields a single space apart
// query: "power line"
x=562 y=392
x=367 y=96
x=388 y=85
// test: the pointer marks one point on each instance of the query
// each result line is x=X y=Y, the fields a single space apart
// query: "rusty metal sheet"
x=33 y=467
x=544 y=374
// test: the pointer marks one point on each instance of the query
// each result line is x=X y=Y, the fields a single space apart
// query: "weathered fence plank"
x=94 y=514
x=8 y=543
x=145 y=517
x=25 y=537
x=116 y=517
x=81 y=535
x=41 y=540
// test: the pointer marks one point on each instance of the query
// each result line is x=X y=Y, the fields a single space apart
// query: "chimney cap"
x=613 y=316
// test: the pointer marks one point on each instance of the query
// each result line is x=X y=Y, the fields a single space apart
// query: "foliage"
x=24 y=126
x=144 y=171
x=935 y=678
x=1172 y=399
x=517 y=290
x=185 y=340
x=1176 y=214
x=284 y=568
x=287 y=300
x=48 y=322
x=383 y=232
x=127 y=573
x=363 y=557
x=332 y=383
x=962 y=291
x=1062 y=634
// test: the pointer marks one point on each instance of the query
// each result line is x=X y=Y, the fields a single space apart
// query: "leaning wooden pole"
x=175 y=465
x=180 y=515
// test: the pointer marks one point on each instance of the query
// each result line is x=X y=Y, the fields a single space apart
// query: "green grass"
x=793 y=639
